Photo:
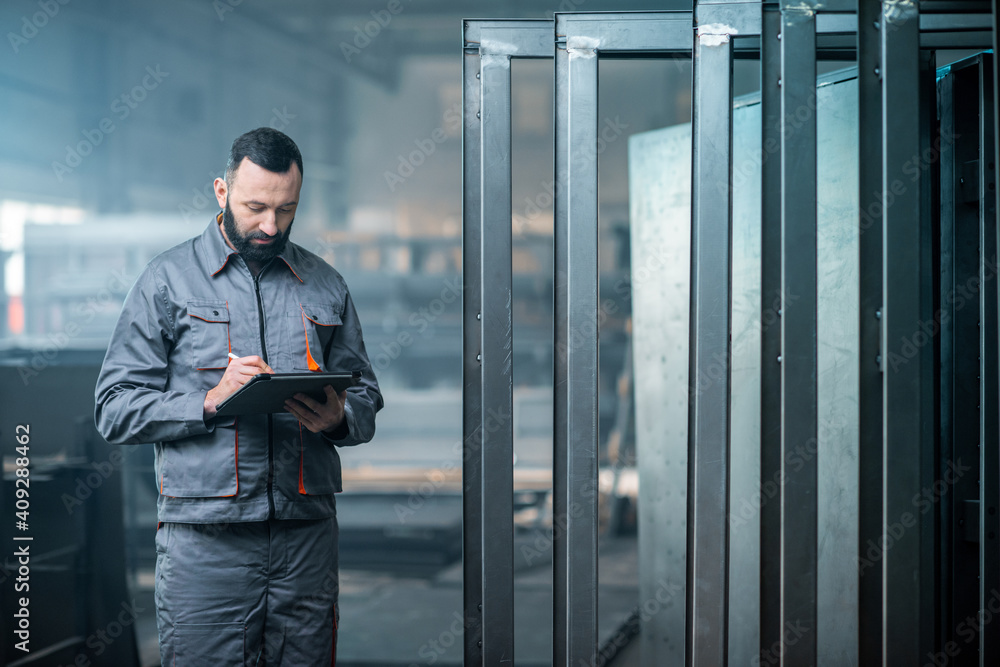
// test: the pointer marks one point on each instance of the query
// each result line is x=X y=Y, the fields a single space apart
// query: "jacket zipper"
x=270 y=435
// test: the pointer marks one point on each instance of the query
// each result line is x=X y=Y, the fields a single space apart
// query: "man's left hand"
x=317 y=416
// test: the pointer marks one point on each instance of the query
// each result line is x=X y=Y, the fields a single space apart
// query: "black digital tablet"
x=267 y=392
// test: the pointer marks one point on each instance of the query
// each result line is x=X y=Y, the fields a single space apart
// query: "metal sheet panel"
x=659 y=200
x=745 y=396
x=837 y=380
x=660 y=212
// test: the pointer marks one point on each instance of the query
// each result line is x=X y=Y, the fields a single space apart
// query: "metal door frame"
x=893 y=303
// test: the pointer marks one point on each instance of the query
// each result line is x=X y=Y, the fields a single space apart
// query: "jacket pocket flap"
x=323 y=314
x=210 y=311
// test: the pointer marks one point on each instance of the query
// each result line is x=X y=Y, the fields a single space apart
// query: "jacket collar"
x=219 y=253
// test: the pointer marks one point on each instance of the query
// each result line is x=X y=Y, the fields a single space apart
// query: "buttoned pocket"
x=310 y=328
x=201 y=466
x=209 y=323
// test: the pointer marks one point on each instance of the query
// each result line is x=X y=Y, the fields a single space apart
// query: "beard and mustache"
x=244 y=243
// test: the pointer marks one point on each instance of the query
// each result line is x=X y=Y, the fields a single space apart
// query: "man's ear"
x=221 y=191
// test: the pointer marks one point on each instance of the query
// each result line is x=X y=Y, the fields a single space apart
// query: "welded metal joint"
x=583 y=46
x=715 y=34
x=897 y=12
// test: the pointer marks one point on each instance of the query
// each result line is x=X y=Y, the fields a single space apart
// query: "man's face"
x=258 y=209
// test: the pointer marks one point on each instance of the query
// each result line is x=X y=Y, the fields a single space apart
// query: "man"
x=246 y=568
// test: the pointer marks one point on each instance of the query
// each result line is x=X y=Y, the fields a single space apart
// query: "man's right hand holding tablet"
x=238 y=373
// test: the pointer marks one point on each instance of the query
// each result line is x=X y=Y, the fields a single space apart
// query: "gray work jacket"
x=191 y=307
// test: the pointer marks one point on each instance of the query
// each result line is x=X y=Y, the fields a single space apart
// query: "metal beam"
x=799 y=437
x=488 y=332
x=770 y=367
x=870 y=313
x=575 y=373
x=472 y=371
x=906 y=417
x=497 y=363
x=710 y=350
x=989 y=366
x=611 y=33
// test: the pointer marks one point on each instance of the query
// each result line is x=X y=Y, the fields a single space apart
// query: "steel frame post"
x=497 y=362
x=906 y=419
x=711 y=294
x=472 y=371
x=575 y=374
x=799 y=436
x=770 y=367
x=580 y=41
x=870 y=302
x=989 y=364
x=488 y=539
x=896 y=417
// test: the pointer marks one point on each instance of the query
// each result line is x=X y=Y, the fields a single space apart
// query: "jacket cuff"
x=344 y=429
x=195 y=415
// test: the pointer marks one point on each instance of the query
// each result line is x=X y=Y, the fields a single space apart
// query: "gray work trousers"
x=247 y=594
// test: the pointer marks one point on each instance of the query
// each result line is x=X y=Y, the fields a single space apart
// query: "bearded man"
x=246 y=567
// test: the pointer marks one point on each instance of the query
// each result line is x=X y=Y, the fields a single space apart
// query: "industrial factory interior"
x=685 y=318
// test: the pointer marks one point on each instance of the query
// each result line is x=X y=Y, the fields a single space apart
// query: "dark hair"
x=267 y=148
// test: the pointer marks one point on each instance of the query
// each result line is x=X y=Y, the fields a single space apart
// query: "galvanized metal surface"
x=575 y=380
x=660 y=214
x=709 y=406
x=472 y=379
x=488 y=332
x=659 y=200
x=906 y=416
x=827 y=349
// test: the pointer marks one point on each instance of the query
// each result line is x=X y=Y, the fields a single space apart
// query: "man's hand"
x=317 y=416
x=237 y=374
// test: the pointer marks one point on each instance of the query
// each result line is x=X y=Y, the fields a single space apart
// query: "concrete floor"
x=393 y=618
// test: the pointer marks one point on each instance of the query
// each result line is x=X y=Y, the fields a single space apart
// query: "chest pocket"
x=210 y=345
x=310 y=328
